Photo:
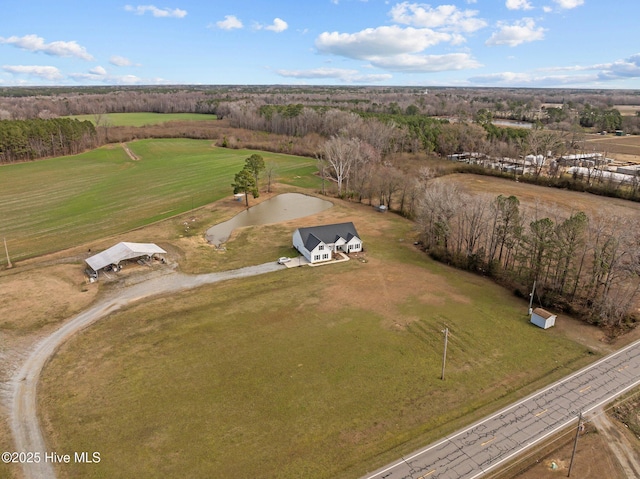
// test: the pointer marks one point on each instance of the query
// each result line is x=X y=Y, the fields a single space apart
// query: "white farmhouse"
x=318 y=243
x=543 y=318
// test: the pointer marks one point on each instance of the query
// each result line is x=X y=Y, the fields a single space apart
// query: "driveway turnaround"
x=482 y=447
x=26 y=431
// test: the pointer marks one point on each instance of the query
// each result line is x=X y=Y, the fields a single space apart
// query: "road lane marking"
x=623 y=368
x=541 y=413
x=585 y=389
x=427 y=474
x=487 y=442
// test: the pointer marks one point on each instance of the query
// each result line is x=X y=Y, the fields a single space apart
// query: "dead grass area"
x=7 y=471
x=593 y=460
x=627 y=110
x=37 y=297
x=615 y=146
x=553 y=199
x=387 y=285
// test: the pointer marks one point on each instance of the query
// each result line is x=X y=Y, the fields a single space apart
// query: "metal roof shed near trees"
x=122 y=251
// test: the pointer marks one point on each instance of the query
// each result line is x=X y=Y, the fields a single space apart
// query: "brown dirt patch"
x=593 y=460
x=33 y=298
x=381 y=288
x=616 y=145
x=591 y=336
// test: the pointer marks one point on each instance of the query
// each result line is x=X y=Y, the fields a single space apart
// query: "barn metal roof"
x=121 y=252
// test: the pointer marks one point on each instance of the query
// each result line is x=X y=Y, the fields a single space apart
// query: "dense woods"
x=22 y=140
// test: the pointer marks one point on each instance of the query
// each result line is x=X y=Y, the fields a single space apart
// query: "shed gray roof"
x=122 y=251
x=328 y=234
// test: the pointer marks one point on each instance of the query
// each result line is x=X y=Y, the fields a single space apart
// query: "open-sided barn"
x=121 y=252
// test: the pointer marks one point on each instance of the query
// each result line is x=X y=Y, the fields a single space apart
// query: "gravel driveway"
x=23 y=414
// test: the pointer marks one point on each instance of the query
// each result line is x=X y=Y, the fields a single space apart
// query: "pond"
x=284 y=207
x=513 y=123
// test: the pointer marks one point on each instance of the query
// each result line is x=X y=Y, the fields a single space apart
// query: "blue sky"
x=500 y=43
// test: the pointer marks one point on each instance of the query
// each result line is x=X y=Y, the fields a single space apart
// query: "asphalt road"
x=482 y=447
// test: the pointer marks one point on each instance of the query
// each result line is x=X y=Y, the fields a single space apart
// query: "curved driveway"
x=23 y=413
x=467 y=454
x=474 y=451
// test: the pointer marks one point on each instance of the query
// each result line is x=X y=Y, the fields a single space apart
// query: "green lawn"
x=54 y=204
x=142 y=119
x=271 y=377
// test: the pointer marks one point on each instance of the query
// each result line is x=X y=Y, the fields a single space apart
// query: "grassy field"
x=142 y=119
x=310 y=372
x=54 y=204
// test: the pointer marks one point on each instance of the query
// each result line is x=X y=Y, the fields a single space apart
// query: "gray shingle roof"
x=312 y=236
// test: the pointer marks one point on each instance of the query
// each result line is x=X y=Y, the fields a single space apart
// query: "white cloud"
x=598 y=74
x=627 y=68
x=380 y=41
x=400 y=47
x=317 y=73
x=119 y=61
x=230 y=22
x=344 y=75
x=156 y=12
x=547 y=9
x=34 y=43
x=44 y=72
x=511 y=79
x=426 y=63
x=569 y=4
x=444 y=17
x=108 y=79
x=519 y=5
x=522 y=31
x=98 y=71
x=277 y=26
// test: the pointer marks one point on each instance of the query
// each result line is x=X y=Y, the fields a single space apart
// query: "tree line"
x=583 y=265
x=22 y=140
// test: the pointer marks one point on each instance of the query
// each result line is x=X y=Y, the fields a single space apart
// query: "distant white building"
x=543 y=318
x=318 y=243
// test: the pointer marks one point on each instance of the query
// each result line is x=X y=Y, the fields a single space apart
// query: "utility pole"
x=9 y=265
x=533 y=290
x=444 y=356
x=575 y=443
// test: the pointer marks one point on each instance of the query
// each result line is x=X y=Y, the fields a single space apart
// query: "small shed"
x=543 y=318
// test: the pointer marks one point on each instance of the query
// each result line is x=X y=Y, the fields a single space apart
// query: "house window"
x=321 y=247
x=325 y=256
x=316 y=257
